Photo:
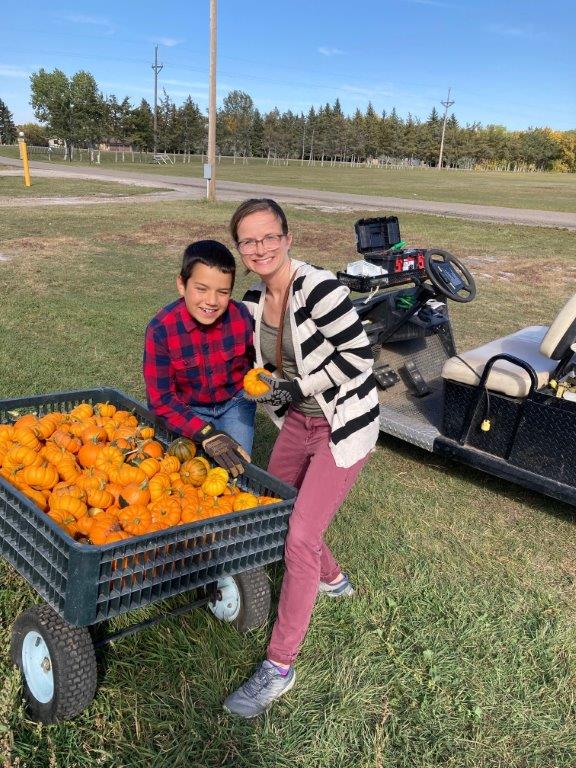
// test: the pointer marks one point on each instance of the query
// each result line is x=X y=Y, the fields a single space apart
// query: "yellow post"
x=24 y=158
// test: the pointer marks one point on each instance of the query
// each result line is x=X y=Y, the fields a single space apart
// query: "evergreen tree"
x=139 y=127
x=410 y=138
x=8 y=131
x=270 y=134
x=118 y=119
x=257 y=134
x=372 y=130
x=190 y=127
x=166 y=121
x=358 y=137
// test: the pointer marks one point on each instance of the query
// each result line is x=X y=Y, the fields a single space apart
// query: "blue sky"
x=508 y=62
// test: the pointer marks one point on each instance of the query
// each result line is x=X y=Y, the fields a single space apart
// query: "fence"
x=83 y=156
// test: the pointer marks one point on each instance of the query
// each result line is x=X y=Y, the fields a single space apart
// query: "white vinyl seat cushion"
x=505 y=377
x=562 y=333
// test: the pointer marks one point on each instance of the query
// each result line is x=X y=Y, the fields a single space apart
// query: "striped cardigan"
x=333 y=357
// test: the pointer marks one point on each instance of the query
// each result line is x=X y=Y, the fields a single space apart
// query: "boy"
x=197 y=350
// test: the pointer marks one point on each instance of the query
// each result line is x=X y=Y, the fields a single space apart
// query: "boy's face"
x=206 y=293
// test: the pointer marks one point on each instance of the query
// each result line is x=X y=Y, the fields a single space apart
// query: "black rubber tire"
x=254 y=590
x=73 y=663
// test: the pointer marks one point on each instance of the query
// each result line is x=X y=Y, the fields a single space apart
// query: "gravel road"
x=193 y=188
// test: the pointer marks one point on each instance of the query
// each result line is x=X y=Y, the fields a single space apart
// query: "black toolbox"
x=378 y=240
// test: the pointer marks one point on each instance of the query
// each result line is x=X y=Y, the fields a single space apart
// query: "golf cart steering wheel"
x=449 y=276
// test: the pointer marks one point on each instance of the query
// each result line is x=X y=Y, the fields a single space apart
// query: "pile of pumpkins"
x=101 y=475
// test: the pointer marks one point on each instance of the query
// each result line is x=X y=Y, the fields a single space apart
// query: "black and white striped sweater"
x=333 y=357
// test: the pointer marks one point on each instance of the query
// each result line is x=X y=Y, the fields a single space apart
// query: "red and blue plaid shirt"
x=187 y=363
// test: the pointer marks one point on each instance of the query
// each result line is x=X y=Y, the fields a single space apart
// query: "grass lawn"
x=543 y=191
x=42 y=186
x=460 y=649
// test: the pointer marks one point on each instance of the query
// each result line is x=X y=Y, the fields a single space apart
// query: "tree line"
x=74 y=110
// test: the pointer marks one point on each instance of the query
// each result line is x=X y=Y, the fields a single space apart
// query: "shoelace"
x=258 y=681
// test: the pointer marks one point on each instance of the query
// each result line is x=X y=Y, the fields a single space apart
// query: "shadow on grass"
x=536 y=502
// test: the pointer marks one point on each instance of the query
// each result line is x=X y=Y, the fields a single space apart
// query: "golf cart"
x=507 y=407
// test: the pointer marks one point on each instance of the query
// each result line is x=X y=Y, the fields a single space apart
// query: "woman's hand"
x=280 y=392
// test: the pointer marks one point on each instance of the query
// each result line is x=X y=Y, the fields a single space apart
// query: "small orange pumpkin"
x=193 y=472
x=135 y=493
x=135 y=519
x=40 y=478
x=244 y=500
x=159 y=485
x=105 y=409
x=253 y=384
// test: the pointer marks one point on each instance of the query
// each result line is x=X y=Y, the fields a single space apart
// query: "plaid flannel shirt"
x=187 y=363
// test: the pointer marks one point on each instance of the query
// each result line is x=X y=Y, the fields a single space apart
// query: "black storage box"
x=546 y=438
x=504 y=412
x=373 y=236
x=87 y=584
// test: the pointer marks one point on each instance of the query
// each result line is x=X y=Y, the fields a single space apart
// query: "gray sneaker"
x=260 y=691
x=342 y=588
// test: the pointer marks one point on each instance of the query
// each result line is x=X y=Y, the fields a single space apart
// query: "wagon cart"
x=507 y=408
x=221 y=559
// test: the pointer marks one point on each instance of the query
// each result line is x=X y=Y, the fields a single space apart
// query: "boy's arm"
x=160 y=390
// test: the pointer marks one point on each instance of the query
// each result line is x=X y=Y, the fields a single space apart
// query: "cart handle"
x=482 y=389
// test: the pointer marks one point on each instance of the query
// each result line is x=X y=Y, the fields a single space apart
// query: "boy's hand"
x=280 y=392
x=223 y=449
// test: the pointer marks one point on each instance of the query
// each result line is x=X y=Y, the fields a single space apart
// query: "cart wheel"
x=57 y=662
x=243 y=600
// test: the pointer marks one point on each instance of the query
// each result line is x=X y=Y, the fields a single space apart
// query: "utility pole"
x=210 y=171
x=156 y=67
x=446 y=105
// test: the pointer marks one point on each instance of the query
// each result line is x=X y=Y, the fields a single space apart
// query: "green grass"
x=42 y=186
x=459 y=651
x=542 y=191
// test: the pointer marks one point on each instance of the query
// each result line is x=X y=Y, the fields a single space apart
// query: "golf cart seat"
x=539 y=346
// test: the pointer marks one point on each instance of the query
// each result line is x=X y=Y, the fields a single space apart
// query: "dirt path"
x=192 y=188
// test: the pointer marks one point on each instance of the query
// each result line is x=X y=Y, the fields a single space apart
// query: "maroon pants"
x=302 y=457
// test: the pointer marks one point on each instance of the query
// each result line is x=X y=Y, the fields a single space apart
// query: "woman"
x=323 y=397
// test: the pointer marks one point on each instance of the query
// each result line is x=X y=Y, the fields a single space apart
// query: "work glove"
x=225 y=451
x=281 y=392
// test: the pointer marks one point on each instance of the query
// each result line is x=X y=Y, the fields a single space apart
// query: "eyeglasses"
x=268 y=242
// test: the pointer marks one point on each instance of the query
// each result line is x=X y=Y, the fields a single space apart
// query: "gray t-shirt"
x=268 y=336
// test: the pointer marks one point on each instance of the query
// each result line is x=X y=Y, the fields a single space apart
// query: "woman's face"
x=261 y=253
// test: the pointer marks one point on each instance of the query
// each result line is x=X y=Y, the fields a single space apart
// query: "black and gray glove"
x=223 y=449
x=281 y=392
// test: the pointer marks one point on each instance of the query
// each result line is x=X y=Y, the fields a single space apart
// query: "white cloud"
x=95 y=21
x=8 y=70
x=525 y=33
x=169 y=42
x=325 y=51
